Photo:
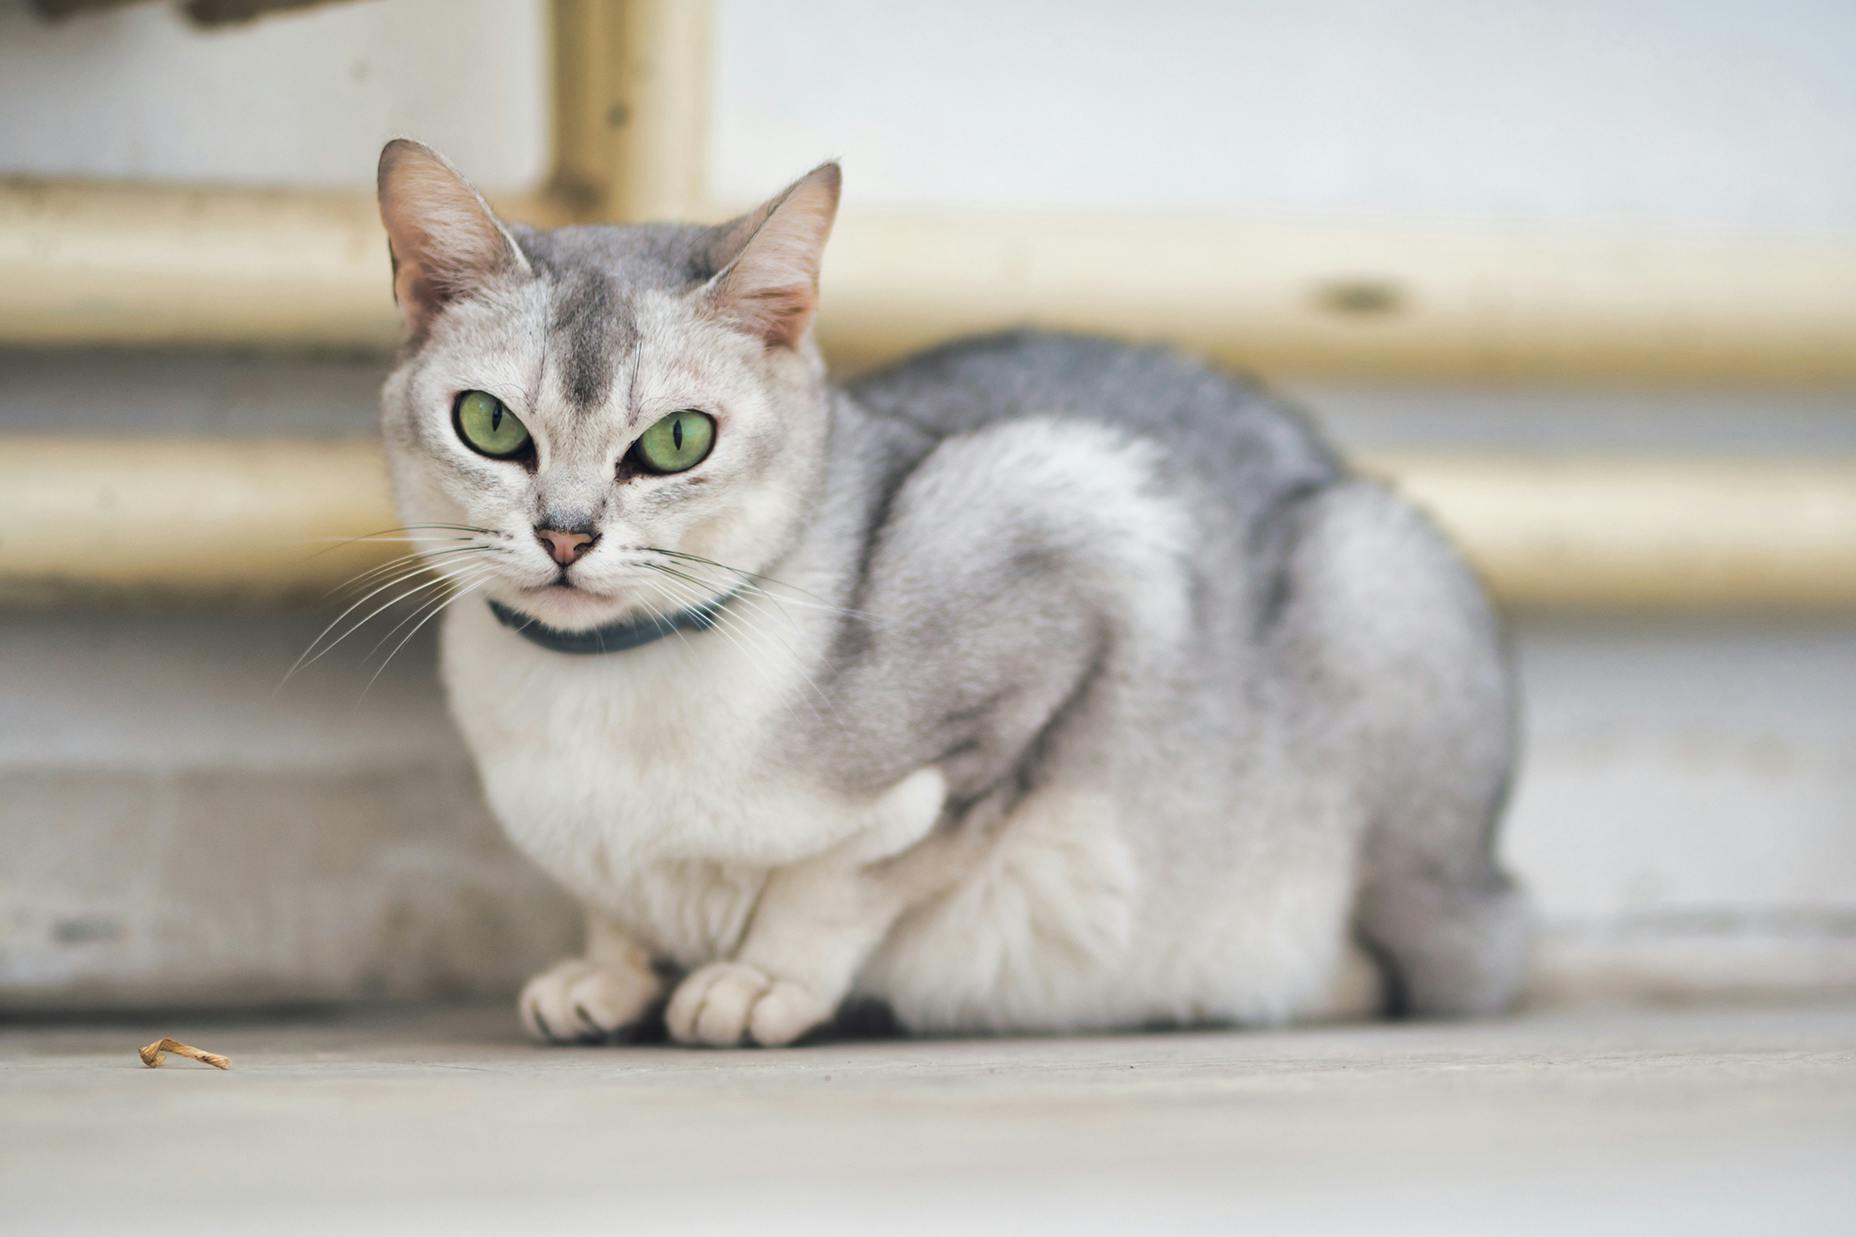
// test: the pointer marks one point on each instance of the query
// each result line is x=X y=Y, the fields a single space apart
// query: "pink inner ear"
x=777 y=315
x=442 y=236
x=771 y=285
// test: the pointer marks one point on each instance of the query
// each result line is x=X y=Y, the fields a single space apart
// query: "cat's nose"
x=565 y=545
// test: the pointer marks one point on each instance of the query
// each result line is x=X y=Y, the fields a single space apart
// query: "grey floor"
x=1725 y=1120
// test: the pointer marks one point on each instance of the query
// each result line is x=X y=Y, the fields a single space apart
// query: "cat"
x=1039 y=683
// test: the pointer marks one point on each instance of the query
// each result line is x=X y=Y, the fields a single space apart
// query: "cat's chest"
x=607 y=768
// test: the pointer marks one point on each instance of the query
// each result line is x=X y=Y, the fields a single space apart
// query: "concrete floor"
x=1733 y=1120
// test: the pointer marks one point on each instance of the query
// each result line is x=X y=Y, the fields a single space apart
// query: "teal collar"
x=613 y=637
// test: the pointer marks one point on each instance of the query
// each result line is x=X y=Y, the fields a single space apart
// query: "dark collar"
x=614 y=637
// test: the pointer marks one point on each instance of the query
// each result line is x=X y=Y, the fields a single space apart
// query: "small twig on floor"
x=152 y=1054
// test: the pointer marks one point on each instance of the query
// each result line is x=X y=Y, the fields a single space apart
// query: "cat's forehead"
x=603 y=290
x=592 y=325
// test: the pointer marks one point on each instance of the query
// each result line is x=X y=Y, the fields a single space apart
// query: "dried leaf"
x=152 y=1054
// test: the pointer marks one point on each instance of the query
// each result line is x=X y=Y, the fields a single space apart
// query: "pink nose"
x=565 y=547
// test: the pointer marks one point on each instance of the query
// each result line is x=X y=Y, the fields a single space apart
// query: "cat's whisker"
x=381 y=539
x=754 y=654
x=356 y=581
x=734 y=587
x=444 y=602
x=739 y=589
x=392 y=534
x=743 y=596
x=465 y=575
x=470 y=573
x=310 y=655
x=816 y=600
x=691 y=599
x=731 y=623
x=658 y=620
x=758 y=609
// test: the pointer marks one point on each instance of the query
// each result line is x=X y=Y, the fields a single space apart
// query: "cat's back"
x=1244 y=445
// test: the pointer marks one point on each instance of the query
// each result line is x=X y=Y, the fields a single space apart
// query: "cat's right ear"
x=444 y=240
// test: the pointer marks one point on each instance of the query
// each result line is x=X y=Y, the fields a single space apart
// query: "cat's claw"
x=726 y=1004
x=581 y=1002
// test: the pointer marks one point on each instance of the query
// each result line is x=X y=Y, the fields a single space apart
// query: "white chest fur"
x=642 y=780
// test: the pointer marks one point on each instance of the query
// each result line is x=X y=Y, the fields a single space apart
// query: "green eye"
x=487 y=427
x=678 y=442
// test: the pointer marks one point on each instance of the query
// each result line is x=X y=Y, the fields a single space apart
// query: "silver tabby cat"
x=1037 y=683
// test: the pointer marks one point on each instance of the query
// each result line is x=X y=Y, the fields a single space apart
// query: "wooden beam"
x=212 y=520
x=631 y=100
x=1487 y=303
x=92 y=264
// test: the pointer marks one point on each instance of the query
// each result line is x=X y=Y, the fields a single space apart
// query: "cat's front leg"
x=815 y=925
x=813 y=929
x=604 y=996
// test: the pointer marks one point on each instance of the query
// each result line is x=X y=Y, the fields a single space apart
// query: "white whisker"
x=416 y=556
x=731 y=624
x=435 y=611
x=469 y=573
x=743 y=576
x=310 y=655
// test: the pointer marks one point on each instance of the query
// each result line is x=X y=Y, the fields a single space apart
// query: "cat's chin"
x=568 y=608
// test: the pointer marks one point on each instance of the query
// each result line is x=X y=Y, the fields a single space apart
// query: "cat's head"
x=575 y=403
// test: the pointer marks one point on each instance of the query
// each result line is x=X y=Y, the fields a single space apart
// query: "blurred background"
x=1580 y=277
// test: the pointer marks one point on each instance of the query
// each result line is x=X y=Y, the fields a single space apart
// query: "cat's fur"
x=1093 y=692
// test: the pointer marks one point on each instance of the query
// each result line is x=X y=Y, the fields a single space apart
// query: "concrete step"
x=440 y=1120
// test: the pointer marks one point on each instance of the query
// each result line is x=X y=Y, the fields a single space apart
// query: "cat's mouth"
x=567 y=605
x=563 y=587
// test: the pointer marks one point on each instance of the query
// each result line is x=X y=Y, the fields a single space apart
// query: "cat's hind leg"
x=1399 y=651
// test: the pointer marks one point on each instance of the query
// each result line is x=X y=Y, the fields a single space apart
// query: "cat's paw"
x=580 y=1002
x=729 y=1003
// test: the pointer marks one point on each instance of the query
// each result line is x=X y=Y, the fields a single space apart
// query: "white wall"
x=1712 y=113
x=1715 y=113
x=302 y=99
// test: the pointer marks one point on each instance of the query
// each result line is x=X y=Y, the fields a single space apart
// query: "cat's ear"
x=768 y=260
x=444 y=240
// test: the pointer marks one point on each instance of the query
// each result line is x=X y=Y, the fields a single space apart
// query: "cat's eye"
x=676 y=443
x=487 y=427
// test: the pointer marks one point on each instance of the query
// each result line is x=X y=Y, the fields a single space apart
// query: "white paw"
x=580 y=1002
x=729 y=1003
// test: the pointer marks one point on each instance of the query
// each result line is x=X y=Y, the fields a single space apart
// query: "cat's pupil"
x=496 y=418
x=676 y=433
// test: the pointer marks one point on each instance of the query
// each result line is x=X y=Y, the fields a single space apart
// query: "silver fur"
x=1084 y=686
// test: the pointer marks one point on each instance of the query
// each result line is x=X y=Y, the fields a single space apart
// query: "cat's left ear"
x=768 y=260
x=444 y=240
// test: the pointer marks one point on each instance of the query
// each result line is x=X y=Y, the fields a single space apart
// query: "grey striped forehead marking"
x=590 y=326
